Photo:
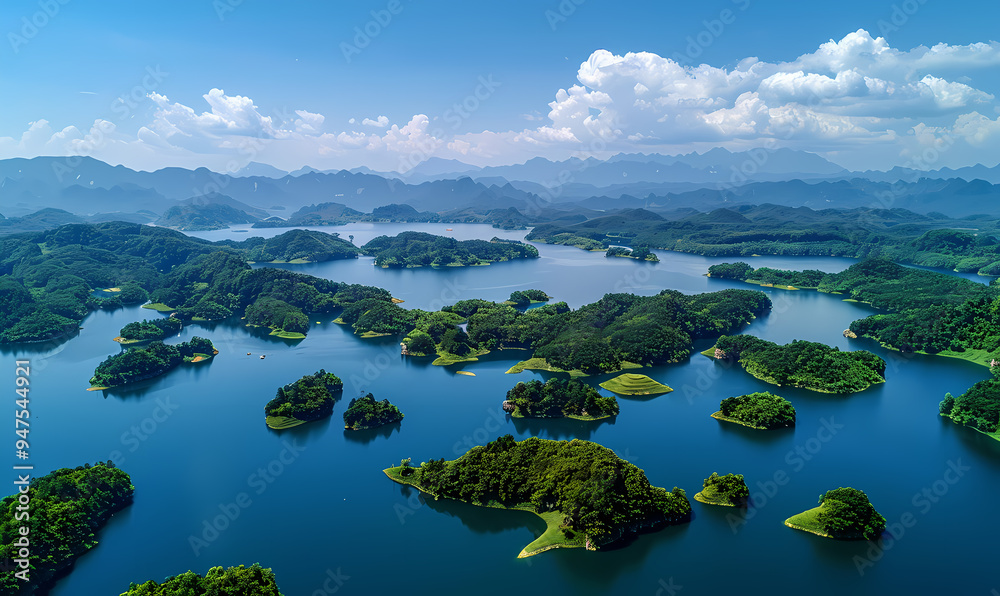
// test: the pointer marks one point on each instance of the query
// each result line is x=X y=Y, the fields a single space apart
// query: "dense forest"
x=68 y=507
x=557 y=398
x=730 y=490
x=48 y=279
x=600 y=496
x=761 y=410
x=140 y=363
x=365 y=412
x=235 y=581
x=310 y=398
x=932 y=240
x=418 y=249
x=150 y=329
x=978 y=407
x=843 y=513
x=805 y=364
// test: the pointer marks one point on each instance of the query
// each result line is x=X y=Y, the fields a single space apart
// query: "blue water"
x=313 y=504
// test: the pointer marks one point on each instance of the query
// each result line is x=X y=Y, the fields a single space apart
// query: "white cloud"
x=380 y=122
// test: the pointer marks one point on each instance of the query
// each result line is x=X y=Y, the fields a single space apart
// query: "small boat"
x=448 y=230
x=261 y=356
x=248 y=353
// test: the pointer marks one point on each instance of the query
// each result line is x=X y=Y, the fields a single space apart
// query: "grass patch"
x=552 y=537
x=635 y=384
x=541 y=364
x=711 y=496
x=808 y=521
x=446 y=359
x=158 y=307
x=287 y=334
x=465 y=372
x=719 y=416
x=370 y=334
x=282 y=422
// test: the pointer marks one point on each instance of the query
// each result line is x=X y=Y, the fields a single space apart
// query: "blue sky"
x=286 y=94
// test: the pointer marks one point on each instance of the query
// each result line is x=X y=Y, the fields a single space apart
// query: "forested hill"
x=932 y=240
x=48 y=279
x=418 y=249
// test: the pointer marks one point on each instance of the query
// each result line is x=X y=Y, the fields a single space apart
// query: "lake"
x=313 y=504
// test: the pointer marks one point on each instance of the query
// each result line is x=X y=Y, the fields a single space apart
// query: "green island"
x=899 y=235
x=978 y=408
x=524 y=298
x=804 y=364
x=156 y=329
x=761 y=410
x=140 y=363
x=234 y=581
x=365 y=412
x=310 y=398
x=844 y=514
x=729 y=490
x=420 y=249
x=587 y=496
x=68 y=508
x=559 y=398
x=51 y=278
x=635 y=384
x=641 y=253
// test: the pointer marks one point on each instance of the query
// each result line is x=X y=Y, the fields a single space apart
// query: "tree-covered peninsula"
x=234 y=581
x=978 y=407
x=762 y=410
x=805 y=364
x=559 y=398
x=844 y=514
x=141 y=363
x=729 y=490
x=310 y=398
x=587 y=496
x=68 y=507
x=366 y=412
x=420 y=249
x=148 y=330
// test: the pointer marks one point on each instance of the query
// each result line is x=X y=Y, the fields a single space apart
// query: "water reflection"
x=559 y=428
x=368 y=435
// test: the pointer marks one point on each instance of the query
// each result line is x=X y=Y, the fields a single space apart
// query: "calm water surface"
x=317 y=504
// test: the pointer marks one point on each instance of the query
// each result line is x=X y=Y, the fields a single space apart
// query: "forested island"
x=640 y=254
x=762 y=410
x=844 y=514
x=806 y=364
x=141 y=363
x=931 y=240
x=524 y=298
x=977 y=408
x=49 y=278
x=587 y=496
x=420 y=249
x=559 y=398
x=156 y=329
x=310 y=398
x=365 y=412
x=729 y=490
x=234 y=581
x=68 y=508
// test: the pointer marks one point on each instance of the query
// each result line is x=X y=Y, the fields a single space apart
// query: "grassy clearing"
x=552 y=537
x=370 y=334
x=541 y=364
x=287 y=334
x=719 y=416
x=158 y=307
x=711 y=496
x=446 y=359
x=465 y=372
x=808 y=521
x=282 y=422
x=635 y=384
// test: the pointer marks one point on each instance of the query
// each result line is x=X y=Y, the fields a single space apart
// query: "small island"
x=587 y=496
x=640 y=254
x=420 y=249
x=68 y=507
x=559 y=398
x=762 y=411
x=157 y=329
x=728 y=491
x=635 y=384
x=844 y=514
x=310 y=398
x=141 y=363
x=365 y=412
x=805 y=364
x=254 y=580
x=978 y=408
x=525 y=298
